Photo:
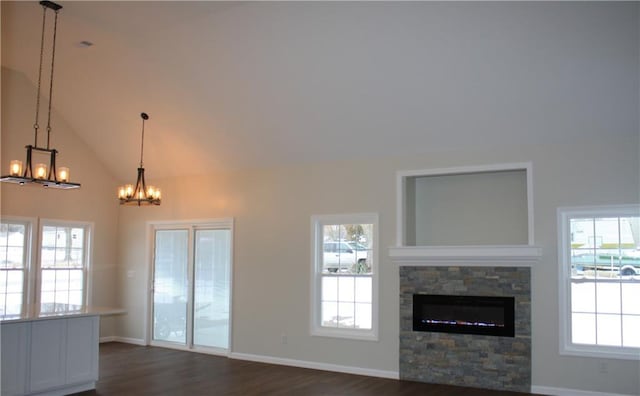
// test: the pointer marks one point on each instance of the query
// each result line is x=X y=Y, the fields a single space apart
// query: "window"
x=63 y=264
x=344 y=276
x=600 y=281
x=15 y=237
x=57 y=280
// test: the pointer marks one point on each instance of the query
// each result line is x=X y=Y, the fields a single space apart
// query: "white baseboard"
x=126 y=340
x=315 y=365
x=547 y=390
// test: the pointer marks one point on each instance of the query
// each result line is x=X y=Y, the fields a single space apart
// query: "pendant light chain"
x=35 y=124
x=53 y=58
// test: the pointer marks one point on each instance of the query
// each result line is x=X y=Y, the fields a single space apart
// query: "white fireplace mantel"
x=480 y=256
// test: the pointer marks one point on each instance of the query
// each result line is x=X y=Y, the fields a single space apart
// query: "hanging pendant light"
x=42 y=174
x=141 y=194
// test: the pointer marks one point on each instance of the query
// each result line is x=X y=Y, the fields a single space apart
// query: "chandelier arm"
x=35 y=123
x=53 y=58
x=52 y=166
x=143 y=186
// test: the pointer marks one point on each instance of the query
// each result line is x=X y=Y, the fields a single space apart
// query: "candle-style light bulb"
x=63 y=174
x=41 y=171
x=15 y=168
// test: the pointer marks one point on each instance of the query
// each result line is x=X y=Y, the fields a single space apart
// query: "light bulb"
x=41 y=171
x=63 y=174
x=128 y=189
x=15 y=168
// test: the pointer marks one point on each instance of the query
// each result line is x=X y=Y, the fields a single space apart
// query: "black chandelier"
x=41 y=174
x=140 y=194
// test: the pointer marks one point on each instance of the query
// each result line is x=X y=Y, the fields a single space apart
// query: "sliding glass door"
x=212 y=288
x=192 y=285
x=171 y=285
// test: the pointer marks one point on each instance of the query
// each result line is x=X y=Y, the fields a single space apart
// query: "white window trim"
x=317 y=221
x=566 y=347
x=87 y=292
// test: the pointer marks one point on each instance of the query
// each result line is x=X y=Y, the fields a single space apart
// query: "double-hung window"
x=53 y=278
x=599 y=256
x=15 y=242
x=64 y=258
x=344 y=280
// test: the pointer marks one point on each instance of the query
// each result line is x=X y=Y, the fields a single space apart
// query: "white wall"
x=272 y=208
x=477 y=209
x=95 y=201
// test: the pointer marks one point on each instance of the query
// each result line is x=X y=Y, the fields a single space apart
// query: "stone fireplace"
x=474 y=360
x=466 y=232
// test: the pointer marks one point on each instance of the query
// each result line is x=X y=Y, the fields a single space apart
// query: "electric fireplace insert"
x=492 y=316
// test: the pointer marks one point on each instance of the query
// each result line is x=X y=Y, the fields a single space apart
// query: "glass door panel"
x=212 y=288
x=171 y=285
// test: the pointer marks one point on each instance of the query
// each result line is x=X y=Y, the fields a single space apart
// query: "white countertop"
x=59 y=311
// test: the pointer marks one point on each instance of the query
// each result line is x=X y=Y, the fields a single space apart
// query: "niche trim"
x=500 y=251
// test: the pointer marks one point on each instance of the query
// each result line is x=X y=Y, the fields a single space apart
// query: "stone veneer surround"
x=463 y=359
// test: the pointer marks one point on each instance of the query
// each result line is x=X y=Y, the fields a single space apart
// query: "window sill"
x=601 y=352
x=366 y=335
x=495 y=255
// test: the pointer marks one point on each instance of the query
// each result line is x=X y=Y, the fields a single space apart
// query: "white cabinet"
x=82 y=350
x=55 y=357
x=46 y=358
x=14 y=358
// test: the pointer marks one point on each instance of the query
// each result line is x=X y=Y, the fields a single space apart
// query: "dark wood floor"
x=136 y=370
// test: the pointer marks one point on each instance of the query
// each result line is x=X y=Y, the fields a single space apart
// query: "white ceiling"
x=235 y=85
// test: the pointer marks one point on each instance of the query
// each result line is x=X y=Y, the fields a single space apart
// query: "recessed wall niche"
x=471 y=206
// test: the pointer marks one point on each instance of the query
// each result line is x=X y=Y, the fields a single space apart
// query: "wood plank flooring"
x=135 y=370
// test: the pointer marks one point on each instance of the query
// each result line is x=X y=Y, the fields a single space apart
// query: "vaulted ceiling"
x=235 y=85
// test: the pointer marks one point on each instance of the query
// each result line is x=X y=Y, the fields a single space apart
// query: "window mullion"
x=190 y=287
x=5 y=278
x=620 y=280
x=595 y=282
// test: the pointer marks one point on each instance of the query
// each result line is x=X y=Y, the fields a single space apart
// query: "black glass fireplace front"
x=464 y=314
